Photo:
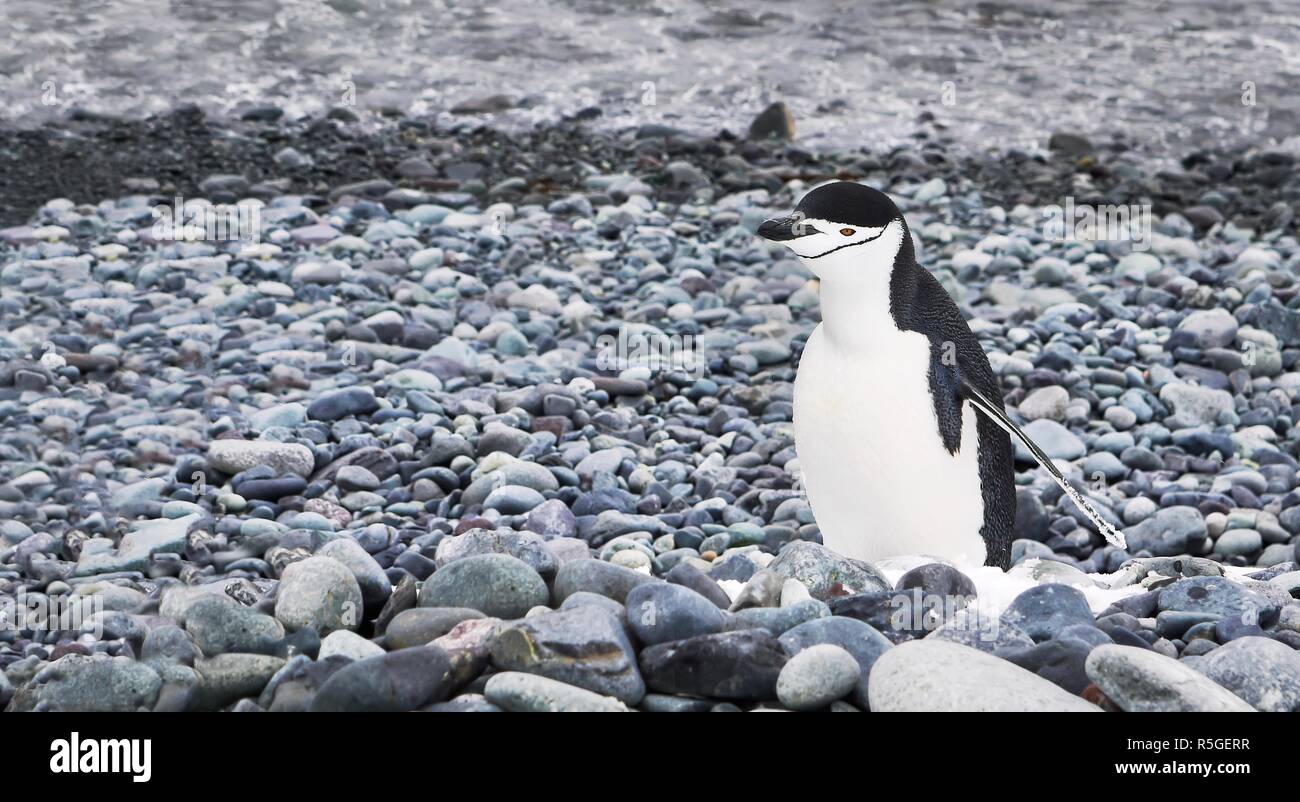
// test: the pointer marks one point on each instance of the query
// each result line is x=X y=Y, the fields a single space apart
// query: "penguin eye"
x=848 y=232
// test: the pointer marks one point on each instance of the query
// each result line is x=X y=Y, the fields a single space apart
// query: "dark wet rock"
x=774 y=121
x=777 y=620
x=1044 y=610
x=421 y=625
x=741 y=665
x=393 y=682
x=938 y=579
x=583 y=646
x=1058 y=661
x=662 y=611
x=343 y=403
x=689 y=576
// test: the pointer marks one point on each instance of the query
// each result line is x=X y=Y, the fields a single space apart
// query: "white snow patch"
x=996 y=589
x=1239 y=573
x=731 y=587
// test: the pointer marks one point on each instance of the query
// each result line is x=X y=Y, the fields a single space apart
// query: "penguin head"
x=840 y=229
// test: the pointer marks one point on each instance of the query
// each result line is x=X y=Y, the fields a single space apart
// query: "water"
x=996 y=74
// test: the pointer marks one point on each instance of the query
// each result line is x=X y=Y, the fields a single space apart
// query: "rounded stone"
x=941 y=676
x=420 y=625
x=319 y=593
x=220 y=624
x=371 y=578
x=658 y=612
x=1144 y=681
x=345 y=643
x=235 y=456
x=497 y=585
x=513 y=499
x=817 y=676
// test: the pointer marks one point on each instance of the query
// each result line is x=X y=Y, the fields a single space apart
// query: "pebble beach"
x=472 y=417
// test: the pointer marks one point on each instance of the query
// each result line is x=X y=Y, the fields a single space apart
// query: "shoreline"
x=89 y=158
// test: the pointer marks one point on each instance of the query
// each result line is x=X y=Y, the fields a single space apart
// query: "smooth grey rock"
x=825 y=573
x=1195 y=404
x=90 y=684
x=858 y=638
x=1043 y=610
x=498 y=585
x=597 y=576
x=219 y=624
x=138 y=546
x=319 y=593
x=1144 y=681
x=235 y=456
x=817 y=676
x=513 y=499
x=1262 y=671
x=420 y=625
x=171 y=644
x=1055 y=440
x=348 y=644
x=1213 y=594
x=374 y=583
x=940 y=676
x=526 y=546
x=530 y=693
x=1045 y=402
x=584 y=646
x=1171 y=531
x=226 y=678
x=658 y=612
x=552 y=519
x=1211 y=328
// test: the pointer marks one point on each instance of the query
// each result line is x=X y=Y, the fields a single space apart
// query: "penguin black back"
x=919 y=303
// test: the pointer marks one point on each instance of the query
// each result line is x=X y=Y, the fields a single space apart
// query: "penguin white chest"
x=873 y=464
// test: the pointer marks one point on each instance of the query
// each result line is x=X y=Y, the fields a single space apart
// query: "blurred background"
x=996 y=74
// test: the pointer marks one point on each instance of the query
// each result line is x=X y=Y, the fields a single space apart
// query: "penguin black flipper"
x=998 y=415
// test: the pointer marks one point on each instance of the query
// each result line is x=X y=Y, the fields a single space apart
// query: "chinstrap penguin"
x=903 y=443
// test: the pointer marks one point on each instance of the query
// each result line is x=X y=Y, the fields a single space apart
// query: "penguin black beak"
x=787 y=228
